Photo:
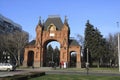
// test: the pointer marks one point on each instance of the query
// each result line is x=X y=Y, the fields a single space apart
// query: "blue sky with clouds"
x=103 y=14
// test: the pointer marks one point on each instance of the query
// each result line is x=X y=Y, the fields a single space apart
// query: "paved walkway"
x=70 y=71
x=49 y=70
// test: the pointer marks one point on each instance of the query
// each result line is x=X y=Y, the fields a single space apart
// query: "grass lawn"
x=75 y=77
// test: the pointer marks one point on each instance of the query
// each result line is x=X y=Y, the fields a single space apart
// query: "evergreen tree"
x=95 y=43
x=89 y=33
x=57 y=55
x=49 y=55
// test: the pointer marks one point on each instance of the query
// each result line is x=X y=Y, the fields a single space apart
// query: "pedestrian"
x=60 y=65
x=64 y=64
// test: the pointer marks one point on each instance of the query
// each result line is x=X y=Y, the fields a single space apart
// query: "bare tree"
x=20 y=40
x=112 y=40
x=14 y=43
x=6 y=44
x=80 y=39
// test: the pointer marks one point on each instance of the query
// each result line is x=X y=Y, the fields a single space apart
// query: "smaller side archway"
x=30 y=59
x=76 y=53
x=73 y=58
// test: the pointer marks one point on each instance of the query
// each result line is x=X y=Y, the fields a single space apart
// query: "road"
x=11 y=73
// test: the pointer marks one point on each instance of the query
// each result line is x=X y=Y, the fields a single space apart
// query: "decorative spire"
x=66 y=20
x=39 y=20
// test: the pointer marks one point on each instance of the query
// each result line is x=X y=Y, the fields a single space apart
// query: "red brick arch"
x=52 y=30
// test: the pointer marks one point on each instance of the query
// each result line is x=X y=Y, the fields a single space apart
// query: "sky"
x=102 y=14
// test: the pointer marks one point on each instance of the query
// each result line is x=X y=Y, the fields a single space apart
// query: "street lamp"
x=87 y=56
x=87 y=63
x=118 y=47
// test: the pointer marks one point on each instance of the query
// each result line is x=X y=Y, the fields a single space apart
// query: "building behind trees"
x=11 y=34
x=7 y=25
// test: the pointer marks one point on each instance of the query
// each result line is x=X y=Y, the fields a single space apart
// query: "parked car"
x=7 y=67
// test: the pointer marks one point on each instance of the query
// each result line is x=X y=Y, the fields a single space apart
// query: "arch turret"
x=39 y=26
x=66 y=26
x=38 y=33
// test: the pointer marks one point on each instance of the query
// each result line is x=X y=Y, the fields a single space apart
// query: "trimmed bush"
x=24 y=76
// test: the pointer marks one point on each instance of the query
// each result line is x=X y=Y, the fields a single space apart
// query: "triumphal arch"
x=53 y=29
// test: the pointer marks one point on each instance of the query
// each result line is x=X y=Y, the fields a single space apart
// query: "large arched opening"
x=73 y=59
x=51 y=53
x=30 y=60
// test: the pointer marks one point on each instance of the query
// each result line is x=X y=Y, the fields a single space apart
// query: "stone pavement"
x=83 y=71
x=71 y=71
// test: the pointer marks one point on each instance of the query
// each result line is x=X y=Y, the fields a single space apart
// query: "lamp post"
x=119 y=51
x=87 y=63
x=87 y=56
x=118 y=47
